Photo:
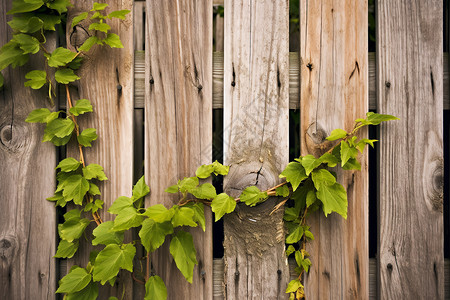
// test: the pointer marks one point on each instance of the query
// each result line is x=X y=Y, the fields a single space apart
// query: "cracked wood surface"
x=333 y=93
x=410 y=86
x=256 y=106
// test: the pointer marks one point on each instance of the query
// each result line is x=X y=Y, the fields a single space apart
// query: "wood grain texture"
x=333 y=93
x=256 y=107
x=107 y=81
x=409 y=65
x=139 y=25
x=27 y=220
x=178 y=120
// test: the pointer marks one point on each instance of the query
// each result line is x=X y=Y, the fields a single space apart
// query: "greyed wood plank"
x=409 y=64
x=256 y=109
x=178 y=120
x=27 y=220
x=139 y=25
x=107 y=81
x=333 y=93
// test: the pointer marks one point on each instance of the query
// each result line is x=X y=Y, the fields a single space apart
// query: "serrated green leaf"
x=222 y=204
x=113 y=40
x=352 y=164
x=155 y=289
x=334 y=199
x=309 y=162
x=347 y=152
x=329 y=159
x=50 y=21
x=173 y=189
x=282 y=191
x=66 y=249
x=105 y=235
x=310 y=198
x=90 y=292
x=68 y=164
x=26 y=24
x=184 y=253
x=79 y=18
x=59 y=5
x=38 y=115
x=184 y=216
x=87 y=45
x=363 y=142
x=11 y=54
x=60 y=127
x=252 y=196
x=376 y=119
x=293 y=286
x=99 y=6
x=58 y=198
x=36 y=79
x=295 y=235
x=220 y=169
x=294 y=173
x=94 y=171
x=94 y=206
x=93 y=189
x=111 y=259
x=65 y=76
x=75 y=187
x=73 y=228
x=204 y=191
x=199 y=214
x=309 y=235
x=188 y=184
x=337 y=134
x=204 y=171
x=72 y=214
x=77 y=279
x=140 y=189
x=119 y=14
x=21 y=6
x=290 y=214
x=290 y=249
x=81 y=106
x=61 y=57
x=127 y=218
x=98 y=15
x=103 y=27
x=28 y=43
x=153 y=234
x=87 y=136
x=76 y=63
x=119 y=204
x=159 y=213
x=322 y=177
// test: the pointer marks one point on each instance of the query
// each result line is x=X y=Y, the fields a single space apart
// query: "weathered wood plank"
x=27 y=220
x=333 y=93
x=178 y=120
x=107 y=81
x=256 y=108
x=409 y=65
x=139 y=25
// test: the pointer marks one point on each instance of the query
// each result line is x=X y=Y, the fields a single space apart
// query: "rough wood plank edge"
x=293 y=81
x=218 y=272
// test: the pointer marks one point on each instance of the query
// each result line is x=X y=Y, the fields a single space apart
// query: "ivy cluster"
x=309 y=183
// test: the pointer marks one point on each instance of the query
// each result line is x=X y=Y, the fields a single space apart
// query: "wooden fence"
x=173 y=95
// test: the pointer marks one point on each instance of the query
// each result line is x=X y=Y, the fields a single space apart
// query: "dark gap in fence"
x=294 y=134
x=373 y=195
x=217 y=154
x=446 y=185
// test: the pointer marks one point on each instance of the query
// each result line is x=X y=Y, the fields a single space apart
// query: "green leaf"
x=68 y=164
x=293 y=286
x=61 y=57
x=66 y=249
x=77 y=279
x=204 y=191
x=127 y=218
x=113 y=40
x=155 y=289
x=21 y=6
x=222 y=204
x=59 y=5
x=105 y=235
x=87 y=45
x=37 y=79
x=27 y=43
x=111 y=259
x=79 y=18
x=347 y=152
x=26 y=24
x=75 y=64
x=153 y=234
x=173 y=189
x=75 y=187
x=183 y=252
x=199 y=214
x=334 y=198
x=90 y=292
x=65 y=76
x=119 y=204
x=220 y=169
x=309 y=162
x=103 y=27
x=362 y=144
x=58 y=198
x=99 y=6
x=60 y=127
x=49 y=20
x=93 y=189
x=98 y=15
x=94 y=206
x=309 y=235
x=322 y=177
x=290 y=249
x=87 y=136
x=184 y=216
x=352 y=164
x=204 y=171
x=140 y=189
x=376 y=119
x=2 y=81
x=81 y=106
x=290 y=214
x=282 y=191
x=329 y=159
x=38 y=115
x=11 y=54
x=159 y=213
x=252 y=196
x=188 y=184
x=337 y=134
x=94 y=171
x=294 y=173
x=295 y=235
x=73 y=228
x=310 y=198
x=119 y=14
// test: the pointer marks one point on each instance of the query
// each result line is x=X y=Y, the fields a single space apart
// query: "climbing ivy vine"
x=307 y=184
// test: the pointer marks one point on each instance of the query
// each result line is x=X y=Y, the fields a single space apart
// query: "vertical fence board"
x=178 y=120
x=333 y=93
x=107 y=81
x=409 y=65
x=27 y=220
x=256 y=115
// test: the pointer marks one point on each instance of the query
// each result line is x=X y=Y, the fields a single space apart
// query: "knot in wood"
x=7 y=248
x=315 y=139
x=78 y=36
x=13 y=138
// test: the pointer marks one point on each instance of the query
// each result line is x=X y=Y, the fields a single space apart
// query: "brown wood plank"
x=256 y=109
x=139 y=25
x=410 y=86
x=27 y=220
x=107 y=81
x=178 y=120
x=333 y=93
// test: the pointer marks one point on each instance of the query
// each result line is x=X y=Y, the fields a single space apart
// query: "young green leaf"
x=99 y=6
x=222 y=204
x=111 y=259
x=153 y=234
x=140 y=189
x=87 y=136
x=220 y=169
x=103 y=27
x=119 y=14
x=252 y=196
x=77 y=279
x=293 y=286
x=294 y=173
x=68 y=164
x=105 y=235
x=309 y=235
x=113 y=40
x=204 y=191
x=26 y=24
x=362 y=144
x=93 y=189
x=290 y=214
x=337 y=134
x=204 y=171
x=28 y=43
x=188 y=184
x=183 y=252
x=22 y=6
x=295 y=235
x=347 y=152
x=87 y=45
x=290 y=249
x=376 y=119
x=60 y=57
x=65 y=76
x=75 y=64
x=90 y=292
x=282 y=191
x=310 y=198
x=309 y=162
x=60 y=127
x=81 y=106
x=81 y=17
x=36 y=79
x=94 y=171
x=75 y=187
x=94 y=206
x=59 y=5
x=11 y=54
x=334 y=198
x=322 y=177
x=352 y=164
x=127 y=218
x=38 y=115
x=155 y=289
x=66 y=249
x=184 y=216
x=159 y=213
x=73 y=228
x=173 y=189
x=329 y=159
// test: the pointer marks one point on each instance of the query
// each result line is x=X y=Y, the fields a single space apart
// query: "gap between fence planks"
x=27 y=221
x=410 y=86
x=293 y=81
x=178 y=123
